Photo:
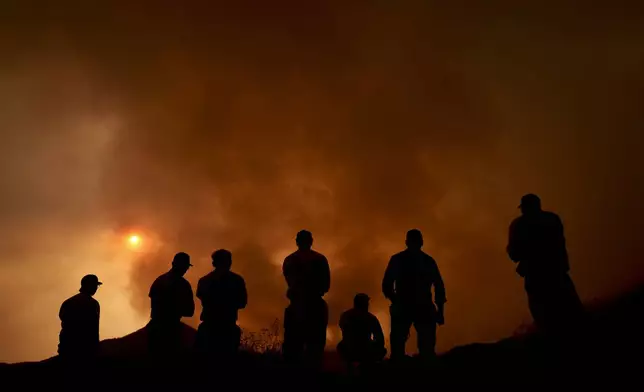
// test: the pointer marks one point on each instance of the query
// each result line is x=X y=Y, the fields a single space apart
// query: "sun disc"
x=134 y=240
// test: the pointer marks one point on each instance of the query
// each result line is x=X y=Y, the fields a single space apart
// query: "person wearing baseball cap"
x=362 y=338
x=530 y=203
x=171 y=299
x=537 y=245
x=79 y=317
x=181 y=261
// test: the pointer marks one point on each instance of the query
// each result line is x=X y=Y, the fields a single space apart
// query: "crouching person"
x=362 y=339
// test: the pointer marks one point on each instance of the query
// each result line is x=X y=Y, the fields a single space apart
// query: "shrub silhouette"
x=266 y=341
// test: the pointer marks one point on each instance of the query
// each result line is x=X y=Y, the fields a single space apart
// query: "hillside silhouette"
x=135 y=345
x=608 y=351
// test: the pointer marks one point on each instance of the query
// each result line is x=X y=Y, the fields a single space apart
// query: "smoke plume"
x=211 y=125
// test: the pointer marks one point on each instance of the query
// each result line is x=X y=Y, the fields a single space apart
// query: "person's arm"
x=62 y=313
x=243 y=294
x=189 y=301
x=153 y=289
x=439 y=293
x=378 y=335
x=98 y=321
x=513 y=248
x=325 y=276
x=287 y=271
x=561 y=245
x=200 y=294
x=343 y=322
x=389 y=280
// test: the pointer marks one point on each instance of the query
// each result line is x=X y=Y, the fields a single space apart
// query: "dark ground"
x=609 y=355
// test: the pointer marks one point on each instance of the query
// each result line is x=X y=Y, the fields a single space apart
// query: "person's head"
x=414 y=239
x=530 y=204
x=361 y=301
x=304 y=239
x=222 y=259
x=181 y=263
x=89 y=284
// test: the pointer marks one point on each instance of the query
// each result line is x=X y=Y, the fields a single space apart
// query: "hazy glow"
x=213 y=126
x=134 y=241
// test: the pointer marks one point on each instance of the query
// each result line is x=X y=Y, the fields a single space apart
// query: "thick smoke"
x=235 y=127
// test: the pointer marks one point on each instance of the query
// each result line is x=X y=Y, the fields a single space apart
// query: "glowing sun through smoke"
x=134 y=241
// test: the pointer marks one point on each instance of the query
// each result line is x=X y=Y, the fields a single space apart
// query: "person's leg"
x=575 y=324
x=563 y=315
x=544 y=309
x=316 y=321
x=236 y=338
x=425 y=325
x=164 y=338
x=572 y=307
x=293 y=345
x=348 y=356
x=376 y=352
x=538 y=303
x=174 y=337
x=341 y=348
x=400 y=325
x=155 y=337
x=224 y=339
x=201 y=340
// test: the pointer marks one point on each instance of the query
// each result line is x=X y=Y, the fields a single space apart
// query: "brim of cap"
x=99 y=283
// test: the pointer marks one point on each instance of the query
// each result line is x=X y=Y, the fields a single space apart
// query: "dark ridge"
x=609 y=353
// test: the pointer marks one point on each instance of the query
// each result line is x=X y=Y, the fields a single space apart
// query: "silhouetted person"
x=171 y=298
x=308 y=278
x=408 y=283
x=362 y=337
x=79 y=316
x=222 y=293
x=537 y=243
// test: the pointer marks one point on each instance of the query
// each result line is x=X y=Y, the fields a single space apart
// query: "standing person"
x=308 y=278
x=362 y=337
x=408 y=283
x=537 y=244
x=171 y=299
x=79 y=316
x=222 y=294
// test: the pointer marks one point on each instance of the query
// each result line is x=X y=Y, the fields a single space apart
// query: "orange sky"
x=205 y=126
